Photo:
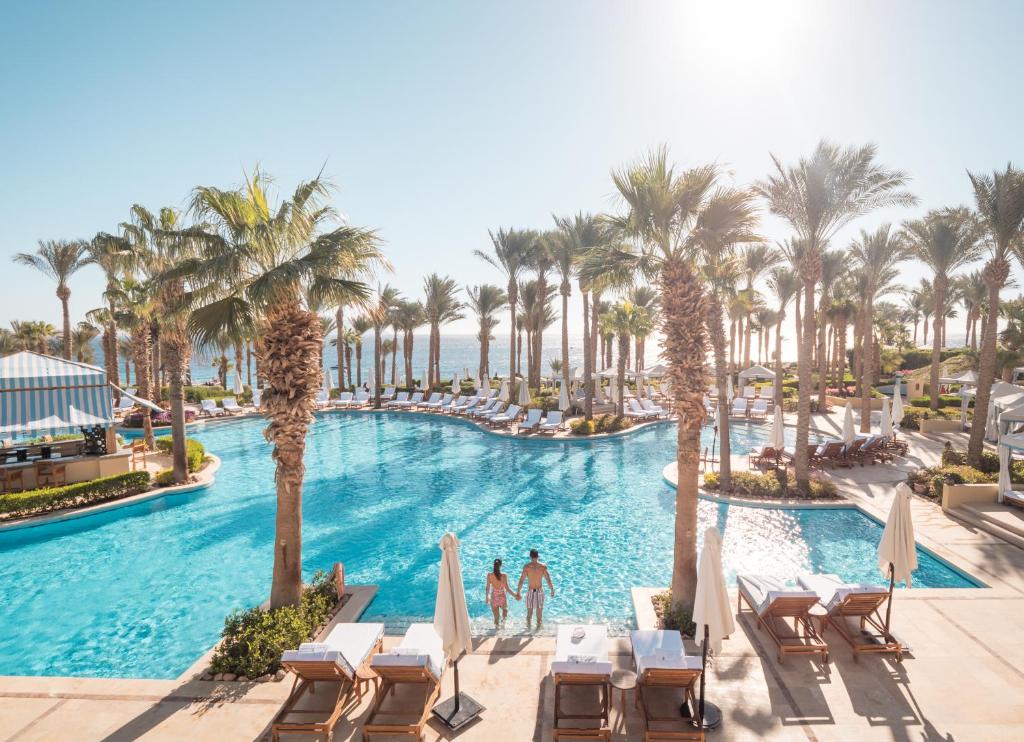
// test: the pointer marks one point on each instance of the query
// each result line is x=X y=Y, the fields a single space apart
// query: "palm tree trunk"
x=394 y=358
x=376 y=367
x=867 y=360
x=339 y=346
x=798 y=318
x=995 y=273
x=348 y=364
x=595 y=332
x=407 y=341
x=565 y=334
x=716 y=328
x=588 y=360
x=359 y=363
x=140 y=346
x=176 y=372
x=778 y=361
x=822 y=355
x=684 y=309
x=513 y=297
x=939 y=289
x=248 y=365
x=801 y=464
x=748 y=331
x=63 y=293
x=620 y=406
x=841 y=356
x=732 y=347
x=482 y=365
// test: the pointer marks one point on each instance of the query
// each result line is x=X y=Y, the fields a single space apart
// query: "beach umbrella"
x=777 y=439
x=485 y=384
x=885 y=428
x=897 y=403
x=666 y=388
x=613 y=393
x=640 y=391
x=456 y=384
x=524 y=394
x=599 y=392
x=503 y=393
x=451 y=622
x=1004 y=471
x=897 y=551
x=712 y=614
x=731 y=392
x=848 y=432
x=563 y=396
x=238 y=388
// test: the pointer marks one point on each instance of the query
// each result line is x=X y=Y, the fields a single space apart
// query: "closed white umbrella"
x=238 y=388
x=777 y=439
x=485 y=384
x=524 y=393
x=423 y=381
x=711 y=613
x=731 y=392
x=897 y=551
x=897 y=403
x=456 y=384
x=848 y=432
x=613 y=393
x=885 y=428
x=503 y=392
x=640 y=391
x=451 y=622
x=1004 y=471
x=563 y=396
x=666 y=388
x=599 y=392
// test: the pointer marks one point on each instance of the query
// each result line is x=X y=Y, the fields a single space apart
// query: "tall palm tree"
x=408 y=315
x=842 y=307
x=622 y=321
x=999 y=200
x=643 y=297
x=379 y=312
x=440 y=306
x=757 y=260
x=876 y=254
x=266 y=262
x=535 y=299
x=512 y=250
x=360 y=326
x=58 y=260
x=564 y=252
x=670 y=215
x=108 y=252
x=818 y=196
x=486 y=301
x=134 y=311
x=82 y=336
x=541 y=261
x=944 y=241
x=913 y=303
x=973 y=294
x=784 y=283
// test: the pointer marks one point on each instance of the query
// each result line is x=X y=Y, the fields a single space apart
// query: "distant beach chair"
x=663 y=669
x=340 y=658
x=408 y=404
x=210 y=408
x=531 y=422
x=124 y=405
x=739 y=407
x=361 y=399
x=759 y=409
x=322 y=399
x=466 y=406
x=552 y=423
x=767 y=392
x=455 y=401
x=486 y=408
x=506 y=418
x=257 y=398
x=773 y=603
x=581 y=661
x=749 y=392
x=861 y=602
x=418 y=660
x=653 y=409
x=344 y=400
x=1014 y=498
x=435 y=402
x=767 y=458
x=388 y=393
x=637 y=412
x=231 y=406
x=832 y=455
x=400 y=399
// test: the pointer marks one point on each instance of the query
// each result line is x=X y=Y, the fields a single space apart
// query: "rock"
x=263 y=679
x=218 y=677
x=243 y=679
x=206 y=676
x=279 y=675
x=229 y=676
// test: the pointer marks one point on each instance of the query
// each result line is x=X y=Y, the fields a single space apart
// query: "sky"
x=440 y=121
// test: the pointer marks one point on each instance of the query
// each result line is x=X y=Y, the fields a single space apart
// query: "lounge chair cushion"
x=585 y=656
x=761 y=591
x=832 y=591
x=660 y=650
x=348 y=645
x=422 y=638
x=1015 y=496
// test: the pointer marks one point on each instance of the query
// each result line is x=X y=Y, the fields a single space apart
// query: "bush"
x=912 y=416
x=164 y=478
x=958 y=457
x=253 y=640
x=611 y=423
x=158 y=419
x=915 y=359
x=680 y=620
x=945 y=400
x=195 y=452
x=770 y=486
x=582 y=427
x=52 y=439
x=42 y=500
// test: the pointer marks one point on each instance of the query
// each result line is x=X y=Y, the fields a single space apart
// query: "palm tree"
x=756 y=260
x=512 y=249
x=82 y=336
x=541 y=260
x=32 y=335
x=134 y=311
x=643 y=297
x=671 y=215
x=784 y=283
x=999 y=200
x=360 y=326
x=945 y=241
x=973 y=294
x=265 y=263
x=109 y=254
x=378 y=313
x=876 y=254
x=624 y=320
x=58 y=260
x=818 y=196
x=536 y=313
x=440 y=306
x=913 y=303
x=486 y=301
x=408 y=315
x=564 y=252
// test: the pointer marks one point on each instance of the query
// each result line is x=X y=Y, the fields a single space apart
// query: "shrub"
x=945 y=400
x=195 y=452
x=912 y=416
x=680 y=620
x=915 y=359
x=611 y=423
x=253 y=640
x=928 y=481
x=958 y=457
x=770 y=485
x=582 y=427
x=53 y=439
x=74 y=495
x=164 y=478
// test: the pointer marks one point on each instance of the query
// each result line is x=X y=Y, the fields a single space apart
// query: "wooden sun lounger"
x=833 y=455
x=862 y=603
x=662 y=668
x=772 y=606
x=592 y=675
x=407 y=721
x=767 y=458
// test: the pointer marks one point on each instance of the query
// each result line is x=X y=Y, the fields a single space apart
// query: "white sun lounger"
x=323 y=399
x=336 y=659
x=774 y=603
x=418 y=660
x=637 y=412
x=581 y=659
x=505 y=418
x=485 y=409
x=662 y=663
x=859 y=601
x=655 y=410
x=361 y=399
x=532 y=421
x=408 y=404
x=389 y=393
x=759 y=409
x=231 y=406
x=467 y=404
x=344 y=399
x=767 y=392
x=209 y=407
x=436 y=401
x=749 y=391
x=124 y=405
x=257 y=397
x=451 y=403
x=739 y=407
x=400 y=399
x=552 y=423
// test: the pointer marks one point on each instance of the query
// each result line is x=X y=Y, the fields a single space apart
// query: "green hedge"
x=253 y=640
x=196 y=394
x=768 y=485
x=915 y=359
x=195 y=452
x=601 y=424
x=945 y=400
x=75 y=495
x=912 y=416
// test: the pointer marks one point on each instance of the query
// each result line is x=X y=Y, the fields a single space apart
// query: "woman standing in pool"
x=496 y=593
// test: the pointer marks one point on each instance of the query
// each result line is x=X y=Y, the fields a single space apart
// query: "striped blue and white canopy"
x=42 y=394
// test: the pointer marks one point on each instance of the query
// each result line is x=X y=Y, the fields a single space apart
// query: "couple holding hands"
x=497 y=590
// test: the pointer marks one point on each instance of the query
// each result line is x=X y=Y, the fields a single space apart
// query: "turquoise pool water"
x=142 y=591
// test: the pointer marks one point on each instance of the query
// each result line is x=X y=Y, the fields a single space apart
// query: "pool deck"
x=963 y=680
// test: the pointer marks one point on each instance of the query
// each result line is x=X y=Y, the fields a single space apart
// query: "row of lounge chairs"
x=824 y=598
x=749 y=392
x=742 y=408
x=228 y=406
x=644 y=409
x=833 y=454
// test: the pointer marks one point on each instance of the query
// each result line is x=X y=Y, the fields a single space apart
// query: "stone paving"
x=963 y=679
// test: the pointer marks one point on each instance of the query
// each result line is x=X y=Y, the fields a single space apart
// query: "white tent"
x=656 y=371
x=756 y=372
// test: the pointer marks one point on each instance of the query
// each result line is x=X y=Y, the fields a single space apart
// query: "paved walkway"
x=963 y=680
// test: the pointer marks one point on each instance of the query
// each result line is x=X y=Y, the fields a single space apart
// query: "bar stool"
x=50 y=474
x=12 y=480
x=138 y=452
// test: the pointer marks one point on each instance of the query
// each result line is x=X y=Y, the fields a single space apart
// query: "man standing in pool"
x=533 y=574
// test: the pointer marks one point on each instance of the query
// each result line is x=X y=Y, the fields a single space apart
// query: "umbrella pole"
x=714 y=442
x=888 y=607
x=710 y=714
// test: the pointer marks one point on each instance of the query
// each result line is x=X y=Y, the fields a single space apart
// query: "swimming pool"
x=142 y=591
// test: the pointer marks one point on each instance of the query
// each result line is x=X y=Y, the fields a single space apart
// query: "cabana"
x=756 y=372
x=1004 y=396
x=43 y=395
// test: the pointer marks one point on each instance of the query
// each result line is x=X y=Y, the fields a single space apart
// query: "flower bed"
x=47 y=499
x=670 y=619
x=927 y=482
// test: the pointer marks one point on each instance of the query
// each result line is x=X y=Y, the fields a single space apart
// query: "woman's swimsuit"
x=498 y=597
